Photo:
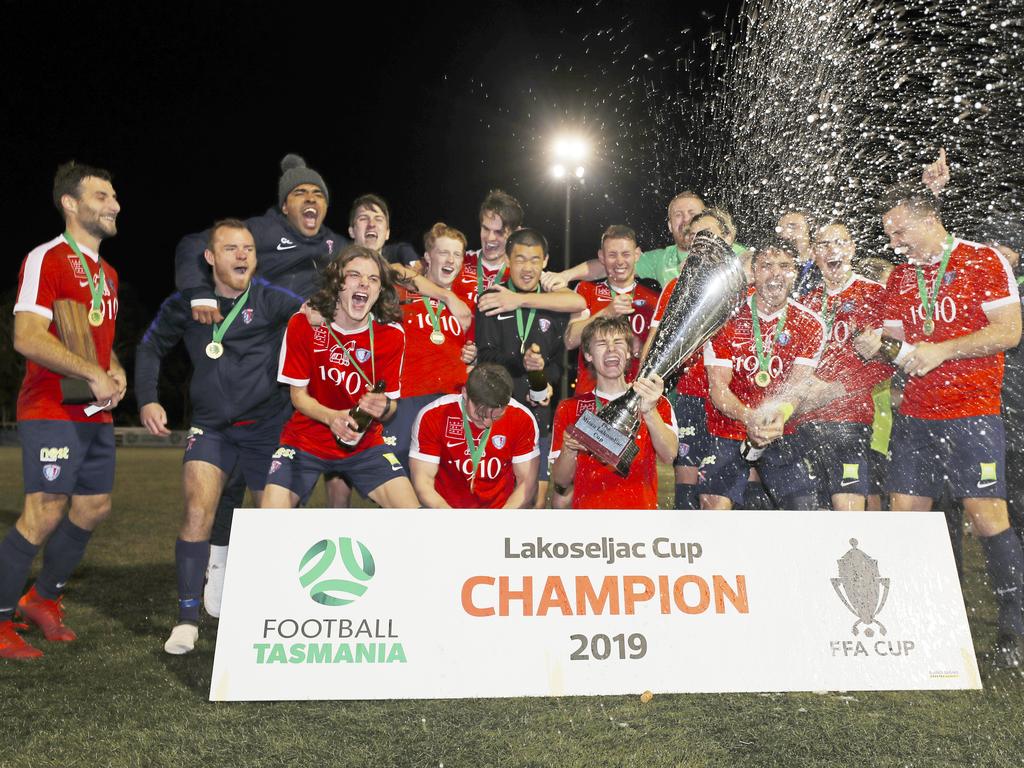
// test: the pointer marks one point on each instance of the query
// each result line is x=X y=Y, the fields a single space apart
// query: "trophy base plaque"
x=606 y=442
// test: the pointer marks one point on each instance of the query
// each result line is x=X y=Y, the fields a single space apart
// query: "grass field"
x=115 y=699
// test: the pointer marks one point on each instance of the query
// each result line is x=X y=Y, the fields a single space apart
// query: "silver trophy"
x=866 y=591
x=706 y=295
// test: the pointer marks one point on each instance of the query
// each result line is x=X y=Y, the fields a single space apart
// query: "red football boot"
x=48 y=615
x=13 y=645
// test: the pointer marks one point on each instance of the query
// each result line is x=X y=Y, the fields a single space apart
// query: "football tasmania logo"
x=336 y=572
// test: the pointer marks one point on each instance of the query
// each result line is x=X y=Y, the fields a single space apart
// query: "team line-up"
x=429 y=380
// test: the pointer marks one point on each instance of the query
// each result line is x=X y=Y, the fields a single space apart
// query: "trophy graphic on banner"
x=707 y=294
x=866 y=590
x=75 y=333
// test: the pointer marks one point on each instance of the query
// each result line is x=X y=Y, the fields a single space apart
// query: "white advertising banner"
x=380 y=604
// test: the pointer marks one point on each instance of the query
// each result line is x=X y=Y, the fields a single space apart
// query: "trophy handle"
x=835 y=585
x=884 y=581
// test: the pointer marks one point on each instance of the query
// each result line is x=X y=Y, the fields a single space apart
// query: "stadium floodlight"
x=558 y=171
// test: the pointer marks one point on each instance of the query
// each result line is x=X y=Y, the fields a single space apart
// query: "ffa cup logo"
x=51 y=472
x=498 y=441
x=335 y=572
x=247 y=315
x=861 y=589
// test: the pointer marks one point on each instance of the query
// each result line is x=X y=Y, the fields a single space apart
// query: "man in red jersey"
x=607 y=348
x=477 y=449
x=619 y=295
x=836 y=437
x=957 y=304
x=500 y=216
x=692 y=387
x=763 y=356
x=333 y=370
x=434 y=339
x=67 y=450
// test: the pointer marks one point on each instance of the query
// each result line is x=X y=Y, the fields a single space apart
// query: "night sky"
x=192 y=106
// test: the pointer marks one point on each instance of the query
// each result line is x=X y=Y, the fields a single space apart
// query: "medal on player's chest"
x=436 y=335
x=763 y=379
x=95 y=317
x=95 y=285
x=216 y=347
x=929 y=299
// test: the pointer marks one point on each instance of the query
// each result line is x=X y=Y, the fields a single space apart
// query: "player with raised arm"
x=607 y=349
x=955 y=307
x=67 y=450
x=477 y=448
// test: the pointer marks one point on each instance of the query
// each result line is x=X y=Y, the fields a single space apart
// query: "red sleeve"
x=659 y=311
x=426 y=437
x=389 y=364
x=526 y=435
x=995 y=280
x=718 y=351
x=562 y=415
x=869 y=312
x=295 y=366
x=668 y=414
x=38 y=283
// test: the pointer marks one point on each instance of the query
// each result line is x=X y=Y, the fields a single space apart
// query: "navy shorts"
x=72 y=458
x=783 y=469
x=969 y=454
x=398 y=431
x=879 y=463
x=544 y=446
x=695 y=444
x=248 y=447
x=365 y=471
x=838 y=454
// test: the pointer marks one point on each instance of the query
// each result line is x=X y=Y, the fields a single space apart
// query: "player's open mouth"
x=612 y=361
x=309 y=216
x=241 y=269
x=360 y=300
x=620 y=272
x=448 y=271
x=834 y=263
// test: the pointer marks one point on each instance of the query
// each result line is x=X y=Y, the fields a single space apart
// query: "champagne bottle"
x=361 y=417
x=752 y=452
x=538 y=385
x=895 y=351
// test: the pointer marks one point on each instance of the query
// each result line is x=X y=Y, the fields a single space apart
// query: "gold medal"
x=929 y=327
x=436 y=337
x=214 y=350
x=95 y=317
x=763 y=379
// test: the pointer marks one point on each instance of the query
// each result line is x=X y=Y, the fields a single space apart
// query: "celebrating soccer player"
x=757 y=365
x=238 y=408
x=344 y=377
x=619 y=295
x=607 y=349
x=955 y=306
x=67 y=442
x=477 y=448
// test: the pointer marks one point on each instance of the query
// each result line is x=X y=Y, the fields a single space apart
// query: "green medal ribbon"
x=480 y=275
x=476 y=447
x=829 y=317
x=219 y=329
x=95 y=286
x=352 y=360
x=928 y=299
x=762 y=358
x=521 y=330
x=435 y=315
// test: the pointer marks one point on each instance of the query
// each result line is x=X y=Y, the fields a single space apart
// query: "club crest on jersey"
x=639 y=302
x=51 y=472
x=330 y=246
x=949 y=277
x=362 y=355
x=545 y=325
x=453 y=428
x=247 y=315
x=783 y=338
x=847 y=307
x=498 y=441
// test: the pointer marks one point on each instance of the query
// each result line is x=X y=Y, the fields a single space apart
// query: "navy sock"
x=686 y=496
x=1006 y=573
x=191 y=558
x=16 y=555
x=61 y=555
